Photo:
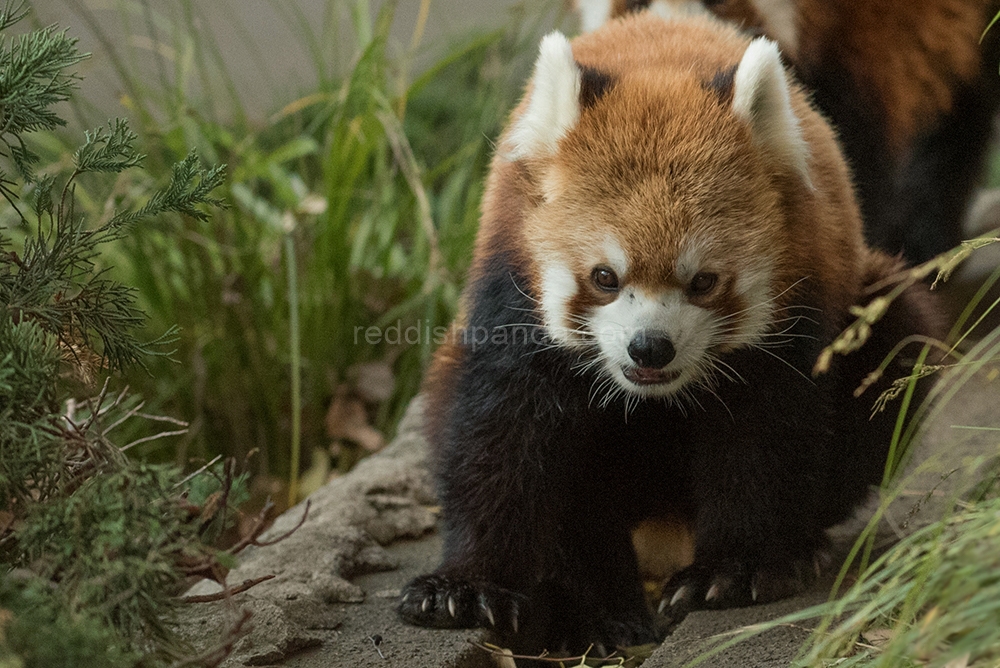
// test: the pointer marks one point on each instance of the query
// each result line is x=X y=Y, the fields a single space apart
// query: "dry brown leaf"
x=878 y=637
x=504 y=659
x=347 y=418
x=374 y=381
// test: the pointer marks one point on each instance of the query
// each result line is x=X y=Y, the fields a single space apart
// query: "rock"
x=384 y=499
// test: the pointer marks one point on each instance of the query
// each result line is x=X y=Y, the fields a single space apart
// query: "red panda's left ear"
x=761 y=96
x=554 y=104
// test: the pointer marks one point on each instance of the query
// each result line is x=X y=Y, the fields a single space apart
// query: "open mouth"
x=641 y=376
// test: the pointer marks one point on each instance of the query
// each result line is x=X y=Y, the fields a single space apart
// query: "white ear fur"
x=674 y=9
x=593 y=13
x=761 y=97
x=554 y=107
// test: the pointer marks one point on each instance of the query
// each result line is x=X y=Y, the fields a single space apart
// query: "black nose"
x=651 y=350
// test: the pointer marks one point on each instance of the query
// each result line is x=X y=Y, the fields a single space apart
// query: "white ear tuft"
x=672 y=10
x=554 y=107
x=593 y=13
x=761 y=97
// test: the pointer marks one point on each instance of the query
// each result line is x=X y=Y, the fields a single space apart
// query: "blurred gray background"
x=262 y=43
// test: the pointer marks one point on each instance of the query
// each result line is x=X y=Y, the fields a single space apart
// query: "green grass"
x=357 y=201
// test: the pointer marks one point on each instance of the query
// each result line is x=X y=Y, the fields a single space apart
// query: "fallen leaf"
x=374 y=381
x=347 y=418
x=878 y=637
x=505 y=659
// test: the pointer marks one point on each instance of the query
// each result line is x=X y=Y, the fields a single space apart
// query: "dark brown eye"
x=605 y=279
x=702 y=283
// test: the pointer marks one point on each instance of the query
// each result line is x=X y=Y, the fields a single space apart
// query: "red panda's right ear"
x=554 y=106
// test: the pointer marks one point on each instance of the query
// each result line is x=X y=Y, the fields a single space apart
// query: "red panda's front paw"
x=733 y=584
x=443 y=602
x=606 y=636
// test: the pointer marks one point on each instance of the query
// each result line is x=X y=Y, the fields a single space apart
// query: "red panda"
x=668 y=239
x=909 y=86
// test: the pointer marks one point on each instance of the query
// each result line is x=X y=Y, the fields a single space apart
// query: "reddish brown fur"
x=663 y=547
x=910 y=56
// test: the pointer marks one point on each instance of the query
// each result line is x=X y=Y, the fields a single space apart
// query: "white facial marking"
x=593 y=13
x=781 y=22
x=554 y=107
x=689 y=261
x=698 y=333
x=558 y=287
x=678 y=9
x=688 y=327
x=615 y=256
x=754 y=285
x=761 y=98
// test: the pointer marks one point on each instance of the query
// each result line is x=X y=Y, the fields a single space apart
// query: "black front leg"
x=536 y=547
x=497 y=539
x=532 y=551
x=760 y=473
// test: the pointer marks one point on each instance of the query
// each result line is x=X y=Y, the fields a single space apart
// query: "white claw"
x=513 y=622
x=753 y=593
x=678 y=595
x=821 y=560
x=426 y=605
x=486 y=610
x=663 y=606
x=600 y=649
x=451 y=606
x=405 y=598
x=713 y=593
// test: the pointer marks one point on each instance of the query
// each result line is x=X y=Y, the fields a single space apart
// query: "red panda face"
x=659 y=242
x=656 y=279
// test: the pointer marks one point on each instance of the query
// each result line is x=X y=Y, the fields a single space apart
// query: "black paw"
x=734 y=584
x=609 y=637
x=446 y=603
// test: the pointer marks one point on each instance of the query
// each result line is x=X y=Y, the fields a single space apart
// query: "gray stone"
x=320 y=569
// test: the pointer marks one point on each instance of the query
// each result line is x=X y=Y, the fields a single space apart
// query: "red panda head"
x=661 y=237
